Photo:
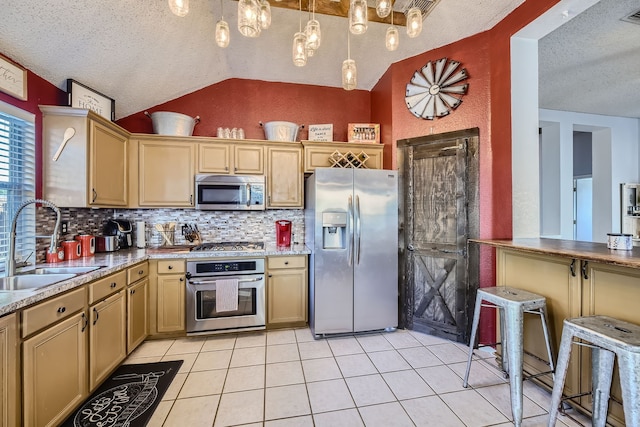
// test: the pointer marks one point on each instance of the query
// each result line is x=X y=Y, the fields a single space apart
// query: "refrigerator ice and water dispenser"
x=334 y=228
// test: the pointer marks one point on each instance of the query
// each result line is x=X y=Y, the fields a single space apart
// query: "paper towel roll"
x=140 y=235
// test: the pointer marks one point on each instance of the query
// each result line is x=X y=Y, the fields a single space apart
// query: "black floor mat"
x=127 y=398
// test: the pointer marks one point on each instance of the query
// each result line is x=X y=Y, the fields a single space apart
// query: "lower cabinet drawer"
x=106 y=286
x=297 y=261
x=137 y=272
x=49 y=312
x=170 y=267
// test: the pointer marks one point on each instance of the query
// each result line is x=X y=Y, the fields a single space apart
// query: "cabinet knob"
x=113 y=285
x=269 y=275
x=182 y=279
x=286 y=263
x=133 y=291
x=141 y=272
x=170 y=267
x=62 y=309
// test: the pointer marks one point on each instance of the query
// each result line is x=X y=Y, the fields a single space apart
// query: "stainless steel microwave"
x=230 y=192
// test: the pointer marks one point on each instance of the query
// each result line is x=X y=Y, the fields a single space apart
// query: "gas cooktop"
x=229 y=246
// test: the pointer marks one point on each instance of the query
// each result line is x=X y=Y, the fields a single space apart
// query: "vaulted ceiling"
x=140 y=54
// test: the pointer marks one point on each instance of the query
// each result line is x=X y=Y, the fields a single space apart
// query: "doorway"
x=438 y=214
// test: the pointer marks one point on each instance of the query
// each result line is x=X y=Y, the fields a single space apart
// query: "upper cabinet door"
x=214 y=158
x=108 y=167
x=166 y=173
x=285 y=178
x=248 y=160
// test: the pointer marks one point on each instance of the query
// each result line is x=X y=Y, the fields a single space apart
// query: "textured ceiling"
x=591 y=64
x=140 y=54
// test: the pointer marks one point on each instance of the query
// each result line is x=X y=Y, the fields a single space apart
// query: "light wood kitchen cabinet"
x=92 y=167
x=167 y=303
x=287 y=299
x=137 y=305
x=9 y=374
x=573 y=288
x=284 y=177
x=107 y=337
x=237 y=158
x=55 y=371
x=316 y=154
x=166 y=171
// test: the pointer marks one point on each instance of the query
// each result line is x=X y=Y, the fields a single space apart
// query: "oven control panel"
x=214 y=268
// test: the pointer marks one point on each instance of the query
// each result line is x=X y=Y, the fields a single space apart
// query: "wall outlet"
x=64 y=227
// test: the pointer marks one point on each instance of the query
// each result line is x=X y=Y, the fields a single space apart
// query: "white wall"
x=615 y=160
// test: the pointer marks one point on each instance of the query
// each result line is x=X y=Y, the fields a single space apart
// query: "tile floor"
x=286 y=378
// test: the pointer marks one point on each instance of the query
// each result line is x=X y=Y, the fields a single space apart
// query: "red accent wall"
x=39 y=92
x=243 y=103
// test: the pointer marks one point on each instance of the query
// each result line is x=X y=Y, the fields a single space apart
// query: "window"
x=17 y=181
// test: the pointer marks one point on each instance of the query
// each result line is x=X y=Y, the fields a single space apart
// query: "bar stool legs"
x=512 y=304
x=607 y=338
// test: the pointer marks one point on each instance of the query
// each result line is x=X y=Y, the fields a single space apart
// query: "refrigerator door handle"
x=350 y=210
x=358 y=230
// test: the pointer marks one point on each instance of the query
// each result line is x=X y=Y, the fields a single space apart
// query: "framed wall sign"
x=13 y=79
x=81 y=96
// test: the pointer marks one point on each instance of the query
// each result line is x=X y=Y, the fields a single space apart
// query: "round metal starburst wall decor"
x=433 y=91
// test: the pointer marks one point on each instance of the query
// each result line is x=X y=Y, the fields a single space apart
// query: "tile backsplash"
x=214 y=226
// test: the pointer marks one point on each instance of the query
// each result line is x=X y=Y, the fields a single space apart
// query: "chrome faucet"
x=11 y=256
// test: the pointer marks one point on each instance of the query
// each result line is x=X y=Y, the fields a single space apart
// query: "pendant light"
x=383 y=8
x=299 y=44
x=179 y=7
x=414 y=22
x=313 y=33
x=358 y=16
x=248 y=24
x=265 y=14
x=222 y=30
x=392 y=37
x=349 y=71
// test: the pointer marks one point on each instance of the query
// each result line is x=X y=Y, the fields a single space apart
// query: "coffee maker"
x=123 y=229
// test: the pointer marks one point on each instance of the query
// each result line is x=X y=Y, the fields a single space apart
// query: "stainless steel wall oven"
x=202 y=277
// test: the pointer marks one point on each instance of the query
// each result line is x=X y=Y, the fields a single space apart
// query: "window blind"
x=17 y=181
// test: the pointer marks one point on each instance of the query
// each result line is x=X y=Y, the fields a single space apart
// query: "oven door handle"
x=210 y=282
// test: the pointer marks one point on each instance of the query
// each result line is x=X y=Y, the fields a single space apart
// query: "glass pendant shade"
x=265 y=14
x=392 y=38
x=358 y=16
x=222 y=33
x=179 y=7
x=349 y=74
x=313 y=33
x=299 y=49
x=248 y=24
x=414 y=22
x=383 y=8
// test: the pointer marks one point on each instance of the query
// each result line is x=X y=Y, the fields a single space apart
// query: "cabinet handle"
x=235 y=169
x=86 y=322
x=191 y=199
x=170 y=267
x=97 y=315
x=113 y=285
x=226 y=168
x=62 y=309
x=133 y=291
x=286 y=263
x=584 y=270
x=95 y=195
x=572 y=267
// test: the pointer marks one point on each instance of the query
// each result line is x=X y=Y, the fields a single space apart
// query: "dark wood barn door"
x=439 y=213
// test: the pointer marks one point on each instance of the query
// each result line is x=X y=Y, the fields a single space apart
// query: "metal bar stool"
x=608 y=338
x=512 y=304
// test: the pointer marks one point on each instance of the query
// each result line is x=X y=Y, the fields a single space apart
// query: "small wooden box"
x=364 y=133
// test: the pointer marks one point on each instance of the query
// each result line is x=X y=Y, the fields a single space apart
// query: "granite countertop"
x=570 y=248
x=113 y=262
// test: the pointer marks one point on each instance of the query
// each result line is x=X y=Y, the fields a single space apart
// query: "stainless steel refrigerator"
x=351 y=227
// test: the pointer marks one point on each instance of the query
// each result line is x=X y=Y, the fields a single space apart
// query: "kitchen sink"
x=63 y=270
x=27 y=282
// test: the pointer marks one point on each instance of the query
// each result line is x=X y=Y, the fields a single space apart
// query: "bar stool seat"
x=608 y=338
x=512 y=304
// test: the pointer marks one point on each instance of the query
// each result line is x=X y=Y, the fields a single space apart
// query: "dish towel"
x=226 y=295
